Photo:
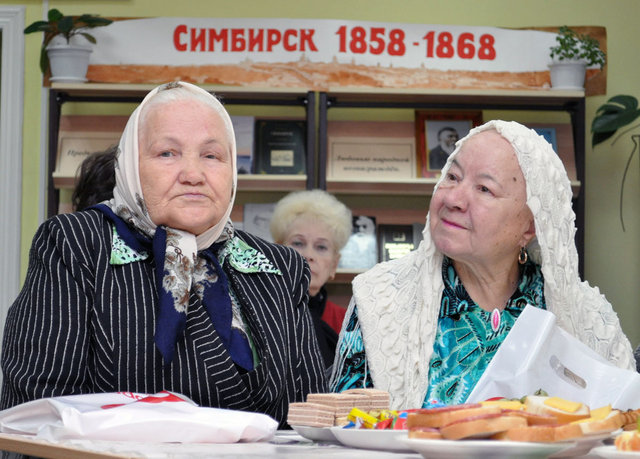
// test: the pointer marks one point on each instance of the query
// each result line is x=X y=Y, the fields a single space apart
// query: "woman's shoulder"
x=76 y=222
x=79 y=235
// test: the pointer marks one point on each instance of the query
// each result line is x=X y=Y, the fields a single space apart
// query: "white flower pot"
x=69 y=61
x=568 y=74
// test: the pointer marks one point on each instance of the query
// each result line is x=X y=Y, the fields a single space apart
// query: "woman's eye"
x=484 y=189
x=452 y=177
x=166 y=154
x=296 y=244
x=211 y=155
x=322 y=248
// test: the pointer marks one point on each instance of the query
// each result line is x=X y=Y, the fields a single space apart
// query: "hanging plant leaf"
x=617 y=112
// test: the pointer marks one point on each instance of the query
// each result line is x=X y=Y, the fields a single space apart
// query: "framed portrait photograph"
x=437 y=133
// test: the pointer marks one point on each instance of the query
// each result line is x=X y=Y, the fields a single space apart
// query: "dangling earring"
x=523 y=256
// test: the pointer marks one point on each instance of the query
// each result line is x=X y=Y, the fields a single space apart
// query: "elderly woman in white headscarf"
x=499 y=236
x=154 y=289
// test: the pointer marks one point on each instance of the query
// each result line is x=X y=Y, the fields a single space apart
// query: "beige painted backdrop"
x=611 y=258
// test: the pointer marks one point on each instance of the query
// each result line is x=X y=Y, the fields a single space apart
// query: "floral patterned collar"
x=241 y=256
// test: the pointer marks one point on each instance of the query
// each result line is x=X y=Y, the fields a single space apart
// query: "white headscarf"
x=398 y=301
x=127 y=193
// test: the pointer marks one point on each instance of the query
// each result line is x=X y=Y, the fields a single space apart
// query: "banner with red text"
x=319 y=54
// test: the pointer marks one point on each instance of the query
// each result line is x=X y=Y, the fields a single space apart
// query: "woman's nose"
x=456 y=197
x=191 y=171
x=307 y=253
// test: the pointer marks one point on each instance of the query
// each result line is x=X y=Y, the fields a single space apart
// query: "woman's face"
x=479 y=214
x=185 y=165
x=313 y=240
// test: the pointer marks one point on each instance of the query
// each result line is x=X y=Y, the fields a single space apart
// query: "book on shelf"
x=395 y=241
x=243 y=127
x=361 y=250
x=257 y=218
x=280 y=147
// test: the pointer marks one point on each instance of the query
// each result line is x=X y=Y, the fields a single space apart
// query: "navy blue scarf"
x=171 y=323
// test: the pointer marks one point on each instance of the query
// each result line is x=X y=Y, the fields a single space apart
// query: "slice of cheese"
x=601 y=413
x=562 y=404
x=505 y=404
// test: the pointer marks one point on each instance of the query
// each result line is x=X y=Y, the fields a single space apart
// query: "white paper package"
x=537 y=354
x=127 y=416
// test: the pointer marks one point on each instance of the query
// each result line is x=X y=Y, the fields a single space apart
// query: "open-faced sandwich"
x=533 y=419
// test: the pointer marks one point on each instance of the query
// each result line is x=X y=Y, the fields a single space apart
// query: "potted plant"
x=617 y=112
x=570 y=57
x=66 y=45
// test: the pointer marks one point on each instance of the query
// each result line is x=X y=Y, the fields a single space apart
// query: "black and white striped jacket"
x=82 y=325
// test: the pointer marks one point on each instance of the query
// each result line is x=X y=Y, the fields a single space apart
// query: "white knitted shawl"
x=398 y=301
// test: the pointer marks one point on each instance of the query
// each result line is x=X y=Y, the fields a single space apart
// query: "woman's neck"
x=490 y=288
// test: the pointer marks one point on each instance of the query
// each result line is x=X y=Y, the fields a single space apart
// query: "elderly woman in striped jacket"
x=154 y=289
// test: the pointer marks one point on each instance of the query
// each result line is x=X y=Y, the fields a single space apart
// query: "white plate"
x=610 y=452
x=463 y=449
x=585 y=444
x=315 y=433
x=387 y=440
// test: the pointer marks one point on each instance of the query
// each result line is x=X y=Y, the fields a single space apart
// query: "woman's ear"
x=529 y=233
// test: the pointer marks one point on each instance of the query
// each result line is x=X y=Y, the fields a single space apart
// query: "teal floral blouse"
x=465 y=341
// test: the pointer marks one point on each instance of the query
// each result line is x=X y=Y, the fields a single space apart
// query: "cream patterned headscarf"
x=179 y=251
x=398 y=301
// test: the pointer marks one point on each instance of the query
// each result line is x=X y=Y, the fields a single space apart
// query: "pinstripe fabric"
x=81 y=325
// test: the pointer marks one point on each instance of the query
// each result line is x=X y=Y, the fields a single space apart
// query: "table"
x=285 y=444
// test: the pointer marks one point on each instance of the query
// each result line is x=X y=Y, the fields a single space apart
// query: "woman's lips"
x=192 y=196
x=452 y=224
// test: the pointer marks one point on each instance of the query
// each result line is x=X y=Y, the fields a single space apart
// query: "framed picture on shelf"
x=74 y=147
x=378 y=150
x=280 y=147
x=437 y=133
x=382 y=158
x=257 y=218
x=361 y=249
x=243 y=127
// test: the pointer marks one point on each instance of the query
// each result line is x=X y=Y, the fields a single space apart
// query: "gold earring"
x=523 y=256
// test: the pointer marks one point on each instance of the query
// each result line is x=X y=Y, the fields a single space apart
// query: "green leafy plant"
x=574 y=46
x=67 y=26
x=618 y=112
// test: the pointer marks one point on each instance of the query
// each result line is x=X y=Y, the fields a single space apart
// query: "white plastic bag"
x=128 y=416
x=537 y=354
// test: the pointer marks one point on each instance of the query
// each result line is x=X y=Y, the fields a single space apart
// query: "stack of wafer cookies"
x=310 y=414
x=341 y=404
x=378 y=399
x=316 y=411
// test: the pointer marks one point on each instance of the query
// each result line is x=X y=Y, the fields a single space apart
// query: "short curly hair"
x=316 y=204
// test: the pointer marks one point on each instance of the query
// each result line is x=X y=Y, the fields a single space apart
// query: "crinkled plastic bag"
x=127 y=416
x=537 y=354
